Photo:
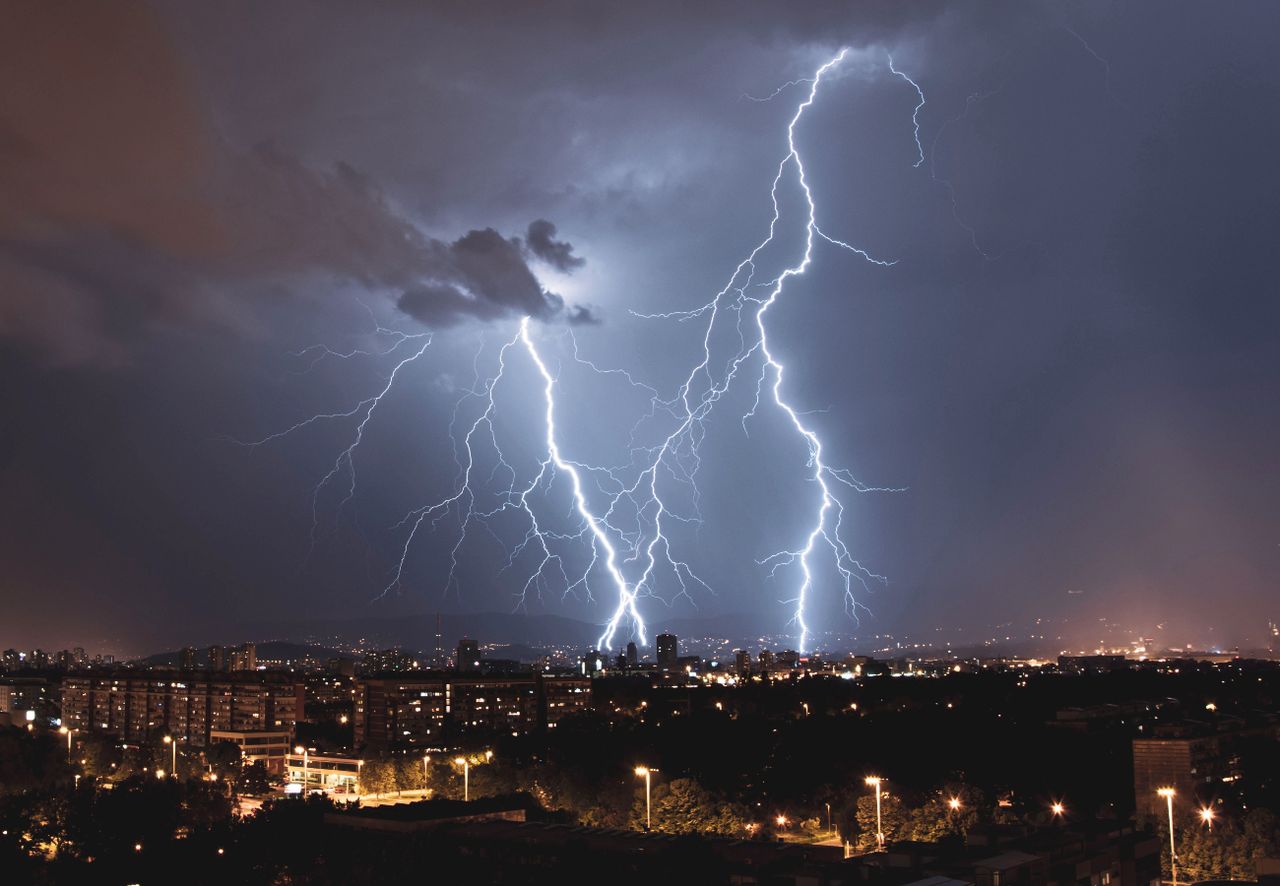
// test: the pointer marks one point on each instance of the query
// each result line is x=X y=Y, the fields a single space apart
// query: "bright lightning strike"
x=915 y=115
x=622 y=515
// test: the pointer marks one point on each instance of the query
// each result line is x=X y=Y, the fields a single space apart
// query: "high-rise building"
x=591 y=663
x=424 y=709
x=668 y=652
x=468 y=656
x=139 y=706
x=187 y=658
x=742 y=661
x=217 y=658
x=633 y=655
x=387 y=660
x=244 y=657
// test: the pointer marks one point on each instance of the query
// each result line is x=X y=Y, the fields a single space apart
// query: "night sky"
x=1071 y=370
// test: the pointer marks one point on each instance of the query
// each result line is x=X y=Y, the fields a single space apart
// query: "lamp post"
x=67 y=732
x=647 y=773
x=875 y=781
x=1168 y=793
x=173 y=763
x=466 y=777
x=426 y=774
x=305 y=774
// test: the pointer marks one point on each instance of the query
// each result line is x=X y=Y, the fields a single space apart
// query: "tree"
x=939 y=818
x=254 y=779
x=1229 y=851
x=682 y=806
x=409 y=774
x=378 y=776
x=30 y=761
x=892 y=819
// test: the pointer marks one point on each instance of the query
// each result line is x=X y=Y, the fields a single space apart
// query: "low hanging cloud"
x=123 y=212
x=483 y=276
x=542 y=242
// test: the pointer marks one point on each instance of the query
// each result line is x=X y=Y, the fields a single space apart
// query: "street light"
x=1168 y=793
x=875 y=780
x=647 y=774
x=173 y=767
x=1206 y=815
x=954 y=804
x=305 y=774
x=426 y=775
x=466 y=777
x=1057 y=809
x=67 y=732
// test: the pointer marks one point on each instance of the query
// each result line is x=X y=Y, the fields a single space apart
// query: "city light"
x=647 y=774
x=1206 y=816
x=781 y=821
x=1058 y=809
x=953 y=804
x=875 y=780
x=1168 y=794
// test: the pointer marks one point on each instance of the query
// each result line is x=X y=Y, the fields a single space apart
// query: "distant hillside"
x=273 y=650
x=418 y=632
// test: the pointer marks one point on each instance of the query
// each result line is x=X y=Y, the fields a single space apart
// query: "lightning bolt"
x=362 y=413
x=915 y=115
x=972 y=100
x=733 y=300
x=623 y=514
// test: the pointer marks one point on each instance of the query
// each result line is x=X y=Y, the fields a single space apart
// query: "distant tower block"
x=668 y=652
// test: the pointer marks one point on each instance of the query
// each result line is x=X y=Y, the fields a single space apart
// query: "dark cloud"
x=543 y=244
x=123 y=212
x=482 y=275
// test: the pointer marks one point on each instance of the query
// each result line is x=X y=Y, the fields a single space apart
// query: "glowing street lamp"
x=305 y=774
x=1206 y=815
x=1168 y=793
x=875 y=781
x=647 y=774
x=67 y=732
x=1057 y=809
x=173 y=763
x=954 y=804
x=466 y=777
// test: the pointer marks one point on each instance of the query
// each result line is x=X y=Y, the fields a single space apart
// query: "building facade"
x=426 y=709
x=269 y=747
x=138 y=706
x=668 y=652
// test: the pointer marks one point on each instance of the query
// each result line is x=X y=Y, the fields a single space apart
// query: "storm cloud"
x=123 y=211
